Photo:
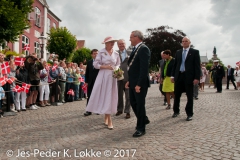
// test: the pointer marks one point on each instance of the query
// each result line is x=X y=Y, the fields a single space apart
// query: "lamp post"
x=42 y=42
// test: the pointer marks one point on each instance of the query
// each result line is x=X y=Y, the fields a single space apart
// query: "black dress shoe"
x=165 y=103
x=147 y=121
x=196 y=98
x=175 y=115
x=189 y=118
x=87 y=113
x=118 y=113
x=139 y=133
x=127 y=116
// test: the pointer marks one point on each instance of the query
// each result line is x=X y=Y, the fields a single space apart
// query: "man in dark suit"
x=230 y=77
x=90 y=77
x=161 y=65
x=138 y=80
x=219 y=75
x=124 y=55
x=185 y=74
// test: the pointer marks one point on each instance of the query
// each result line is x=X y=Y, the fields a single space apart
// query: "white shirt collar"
x=138 y=45
x=124 y=51
x=186 y=49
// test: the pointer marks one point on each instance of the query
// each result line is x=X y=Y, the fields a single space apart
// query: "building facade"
x=41 y=20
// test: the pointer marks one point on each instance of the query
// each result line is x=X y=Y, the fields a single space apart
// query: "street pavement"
x=62 y=132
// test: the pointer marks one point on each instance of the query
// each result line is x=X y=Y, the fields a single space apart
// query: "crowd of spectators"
x=50 y=82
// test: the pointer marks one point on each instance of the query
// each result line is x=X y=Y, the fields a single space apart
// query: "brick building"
x=42 y=19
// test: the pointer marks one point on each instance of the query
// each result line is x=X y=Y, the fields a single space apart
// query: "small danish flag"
x=25 y=87
x=2 y=81
x=54 y=67
x=81 y=79
x=71 y=92
x=84 y=88
x=19 y=61
x=5 y=68
x=26 y=47
x=17 y=88
x=10 y=80
x=238 y=63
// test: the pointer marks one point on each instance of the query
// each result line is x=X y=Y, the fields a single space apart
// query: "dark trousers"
x=219 y=84
x=0 y=104
x=89 y=91
x=230 y=78
x=180 y=87
x=137 y=101
x=163 y=93
x=121 y=89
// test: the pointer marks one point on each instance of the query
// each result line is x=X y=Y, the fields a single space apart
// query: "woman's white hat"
x=109 y=39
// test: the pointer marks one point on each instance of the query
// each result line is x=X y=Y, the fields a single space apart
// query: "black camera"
x=34 y=58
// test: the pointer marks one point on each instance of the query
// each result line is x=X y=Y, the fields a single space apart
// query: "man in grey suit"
x=124 y=55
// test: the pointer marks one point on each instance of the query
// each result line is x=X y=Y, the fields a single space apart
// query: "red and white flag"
x=10 y=80
x=5 y=77
x=2 y=81
x=26 y=47
x=17 y=88
x=5 y=68
x=238 y=63
x=25 y=87
x=81 y=79
x=54 y=67
x=19 y=61
x=84 y=88
x=71 y=92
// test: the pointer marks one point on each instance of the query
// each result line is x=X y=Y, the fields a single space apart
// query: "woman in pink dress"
x=203 y=78
x=104 y=97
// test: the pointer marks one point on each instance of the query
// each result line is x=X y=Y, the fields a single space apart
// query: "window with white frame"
x=37 y=17
x=25 y=43
x=37 y=48
x=48 y=25
x=54 y=25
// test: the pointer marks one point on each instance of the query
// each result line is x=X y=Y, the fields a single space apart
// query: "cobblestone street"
x=62 y=132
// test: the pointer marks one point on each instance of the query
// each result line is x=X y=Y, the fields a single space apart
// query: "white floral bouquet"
x=118 y=73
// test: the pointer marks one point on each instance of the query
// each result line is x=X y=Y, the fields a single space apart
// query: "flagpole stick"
x=8 y=95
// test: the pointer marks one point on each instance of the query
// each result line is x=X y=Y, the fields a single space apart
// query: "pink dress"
x=104 y=96
x=204 y=75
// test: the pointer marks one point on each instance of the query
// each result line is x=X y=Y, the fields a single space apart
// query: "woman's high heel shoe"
x=110 y=127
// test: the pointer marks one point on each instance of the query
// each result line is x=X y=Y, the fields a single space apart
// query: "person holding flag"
x=12 y=74
x=22 y=77
x=33 y=65
x=77 y=82
x=44 y=86
x=82 y=95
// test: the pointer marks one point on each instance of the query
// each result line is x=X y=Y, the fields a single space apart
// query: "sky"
x=207 y=23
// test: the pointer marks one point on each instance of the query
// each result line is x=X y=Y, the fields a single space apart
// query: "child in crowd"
x=2 y=95
x=76 y=84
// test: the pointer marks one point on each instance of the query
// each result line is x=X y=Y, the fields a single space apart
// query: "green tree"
x=160 y=39
x=13 y=18
x=61 y=42
x=210 y=64
x=81 y=54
